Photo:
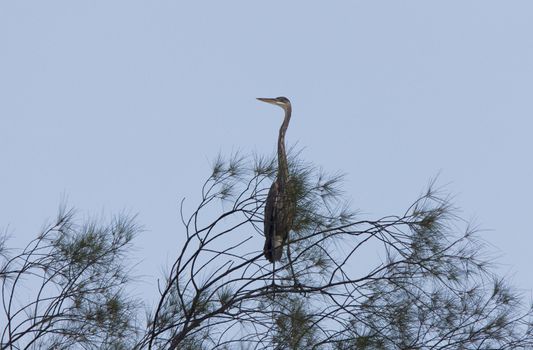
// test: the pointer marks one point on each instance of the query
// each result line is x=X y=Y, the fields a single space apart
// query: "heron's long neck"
x=283 y=167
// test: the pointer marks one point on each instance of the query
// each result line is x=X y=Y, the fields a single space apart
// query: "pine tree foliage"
x=430 y=286
x=65 y=288
x=418 y=280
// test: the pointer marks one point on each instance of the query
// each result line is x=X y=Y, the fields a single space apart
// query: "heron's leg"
x=273 y=274
x=273 y=289
x=296 y=283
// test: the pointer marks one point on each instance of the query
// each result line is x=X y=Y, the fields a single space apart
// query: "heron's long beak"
x=268 y=100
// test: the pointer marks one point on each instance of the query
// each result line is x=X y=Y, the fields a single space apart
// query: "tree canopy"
x=429 y=284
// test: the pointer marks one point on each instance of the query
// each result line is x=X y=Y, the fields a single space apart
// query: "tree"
x=430 y=287
x=65 y=288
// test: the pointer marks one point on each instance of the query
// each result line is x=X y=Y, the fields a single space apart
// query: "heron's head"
x=281 y=101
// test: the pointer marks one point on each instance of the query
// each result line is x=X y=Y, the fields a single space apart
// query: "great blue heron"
x=280 y=203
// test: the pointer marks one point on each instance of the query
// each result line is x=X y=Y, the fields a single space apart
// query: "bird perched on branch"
x=280 y=203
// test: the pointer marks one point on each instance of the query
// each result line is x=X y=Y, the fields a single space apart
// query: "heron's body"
x=280 y=204
x=278 y=221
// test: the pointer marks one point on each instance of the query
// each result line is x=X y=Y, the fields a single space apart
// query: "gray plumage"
x=280 y=204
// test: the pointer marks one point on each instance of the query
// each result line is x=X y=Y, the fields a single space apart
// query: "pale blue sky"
x=120 y=105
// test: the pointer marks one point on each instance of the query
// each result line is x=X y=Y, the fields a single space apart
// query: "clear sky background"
x=121 y=106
